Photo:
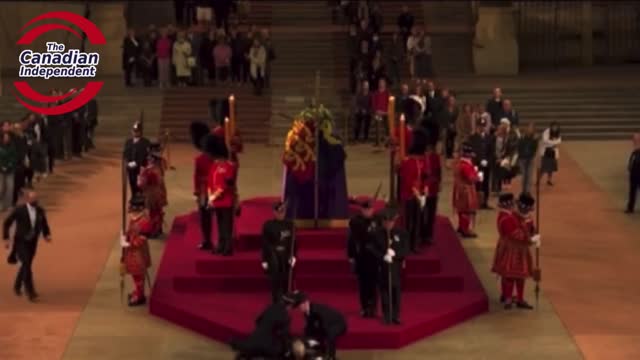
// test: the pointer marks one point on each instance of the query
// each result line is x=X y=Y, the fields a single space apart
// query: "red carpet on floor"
x=220 y=297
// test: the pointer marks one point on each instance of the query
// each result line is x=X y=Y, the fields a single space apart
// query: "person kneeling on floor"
x=323 y=324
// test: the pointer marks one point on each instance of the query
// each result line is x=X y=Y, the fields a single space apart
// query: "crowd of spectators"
x=200 y=55
x=29 y=148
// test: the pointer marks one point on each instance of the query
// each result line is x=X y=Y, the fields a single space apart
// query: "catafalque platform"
x=220 y=297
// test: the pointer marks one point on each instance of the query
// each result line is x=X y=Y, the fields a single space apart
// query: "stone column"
x=587 y=33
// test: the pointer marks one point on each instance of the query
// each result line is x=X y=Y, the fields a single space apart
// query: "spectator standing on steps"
x=271 y=55
x=130 y=53
x=634 y=174
x=405 y=23
x=8 y=160
x=258 y=61
x=551 y=140
x=527 y=150
x=362 y=112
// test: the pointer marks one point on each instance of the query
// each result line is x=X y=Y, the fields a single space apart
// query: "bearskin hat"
x=526 y=202
x=199 y=130
x=506 y=200
x=419 y=141
x=389 y=213
x=215 y=147
x=413 y=110
x=466 y=149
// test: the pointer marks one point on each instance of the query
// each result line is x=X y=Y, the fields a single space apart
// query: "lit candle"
x=391 y=117
x=227 y=132
x=402 y=130
x=232 y=115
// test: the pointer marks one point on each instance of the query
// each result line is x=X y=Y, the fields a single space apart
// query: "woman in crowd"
x=412 y=43
x=465 y=125
x=182 y=59
x=206 y=56
x=258 y=61
x=163 y=53
x=551 y=140
x=378 y=70
x=527 y=150
x=447 y=123
x=506 y=156
x=222 y=59
x=147 y=61
x=422 y=57
x=362 y=112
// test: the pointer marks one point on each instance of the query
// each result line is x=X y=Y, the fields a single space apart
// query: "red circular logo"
x=57 y=63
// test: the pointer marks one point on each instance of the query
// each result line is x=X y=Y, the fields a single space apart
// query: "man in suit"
x=130 y=53
x=31 y=223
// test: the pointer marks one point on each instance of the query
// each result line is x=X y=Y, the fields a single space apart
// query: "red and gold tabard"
x=465 y=196
x=222 y=183
x=499 y=251
x=513 y=260
x=137 y=258
x=151 y=182
x=413 y=176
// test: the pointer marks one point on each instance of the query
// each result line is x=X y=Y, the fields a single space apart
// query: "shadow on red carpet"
x=220 y=297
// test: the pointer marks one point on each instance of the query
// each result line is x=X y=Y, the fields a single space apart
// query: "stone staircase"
x=181 y=106
x=584 y=113
x=141 y=14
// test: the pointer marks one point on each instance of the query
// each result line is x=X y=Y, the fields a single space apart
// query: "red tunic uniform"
x=514 y=260
x=151 y=182
x=499 y=251
x=137 y=258
x=201 y=168
x=221 y=182
x=465 y=196
x=413 y=175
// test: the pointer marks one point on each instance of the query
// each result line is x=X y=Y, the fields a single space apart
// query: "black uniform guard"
x=278 y=251
x=135 y=155
x=365 y=265
x=390 y=245
x=483 y=144
x=634 y=176
x=323 y=325
x=270 y=338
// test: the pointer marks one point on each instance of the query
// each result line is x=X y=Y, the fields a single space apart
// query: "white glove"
x=536 y=240
x=132 y=165
x=422 y=200
x=123 y=241
x=265 y=265
x=391 y=253
x=475 y=168
x=292 y=261
x=480 y=176
x=388 y=259
x=312 y=343
x=483 y=163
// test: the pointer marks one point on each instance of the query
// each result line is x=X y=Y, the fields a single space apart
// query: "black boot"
x=523 y=305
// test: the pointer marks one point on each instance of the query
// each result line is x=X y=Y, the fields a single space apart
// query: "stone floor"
x=81 y=316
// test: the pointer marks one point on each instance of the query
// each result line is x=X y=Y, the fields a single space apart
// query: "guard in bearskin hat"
x=465 y=195
x=364 y=264
x=202 y=166
x=221 y=191
x=278 y=250
x=135 y=156
x=413 y=175
x=514 y=262
x=136 y=258
x=152 y=186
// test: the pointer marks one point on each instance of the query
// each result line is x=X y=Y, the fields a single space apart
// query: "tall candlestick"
x=403 y=139
x=232 y=115
x=391 y=117
x=227 y=133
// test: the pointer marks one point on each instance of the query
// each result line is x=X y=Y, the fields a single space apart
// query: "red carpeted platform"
x=220 y=296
